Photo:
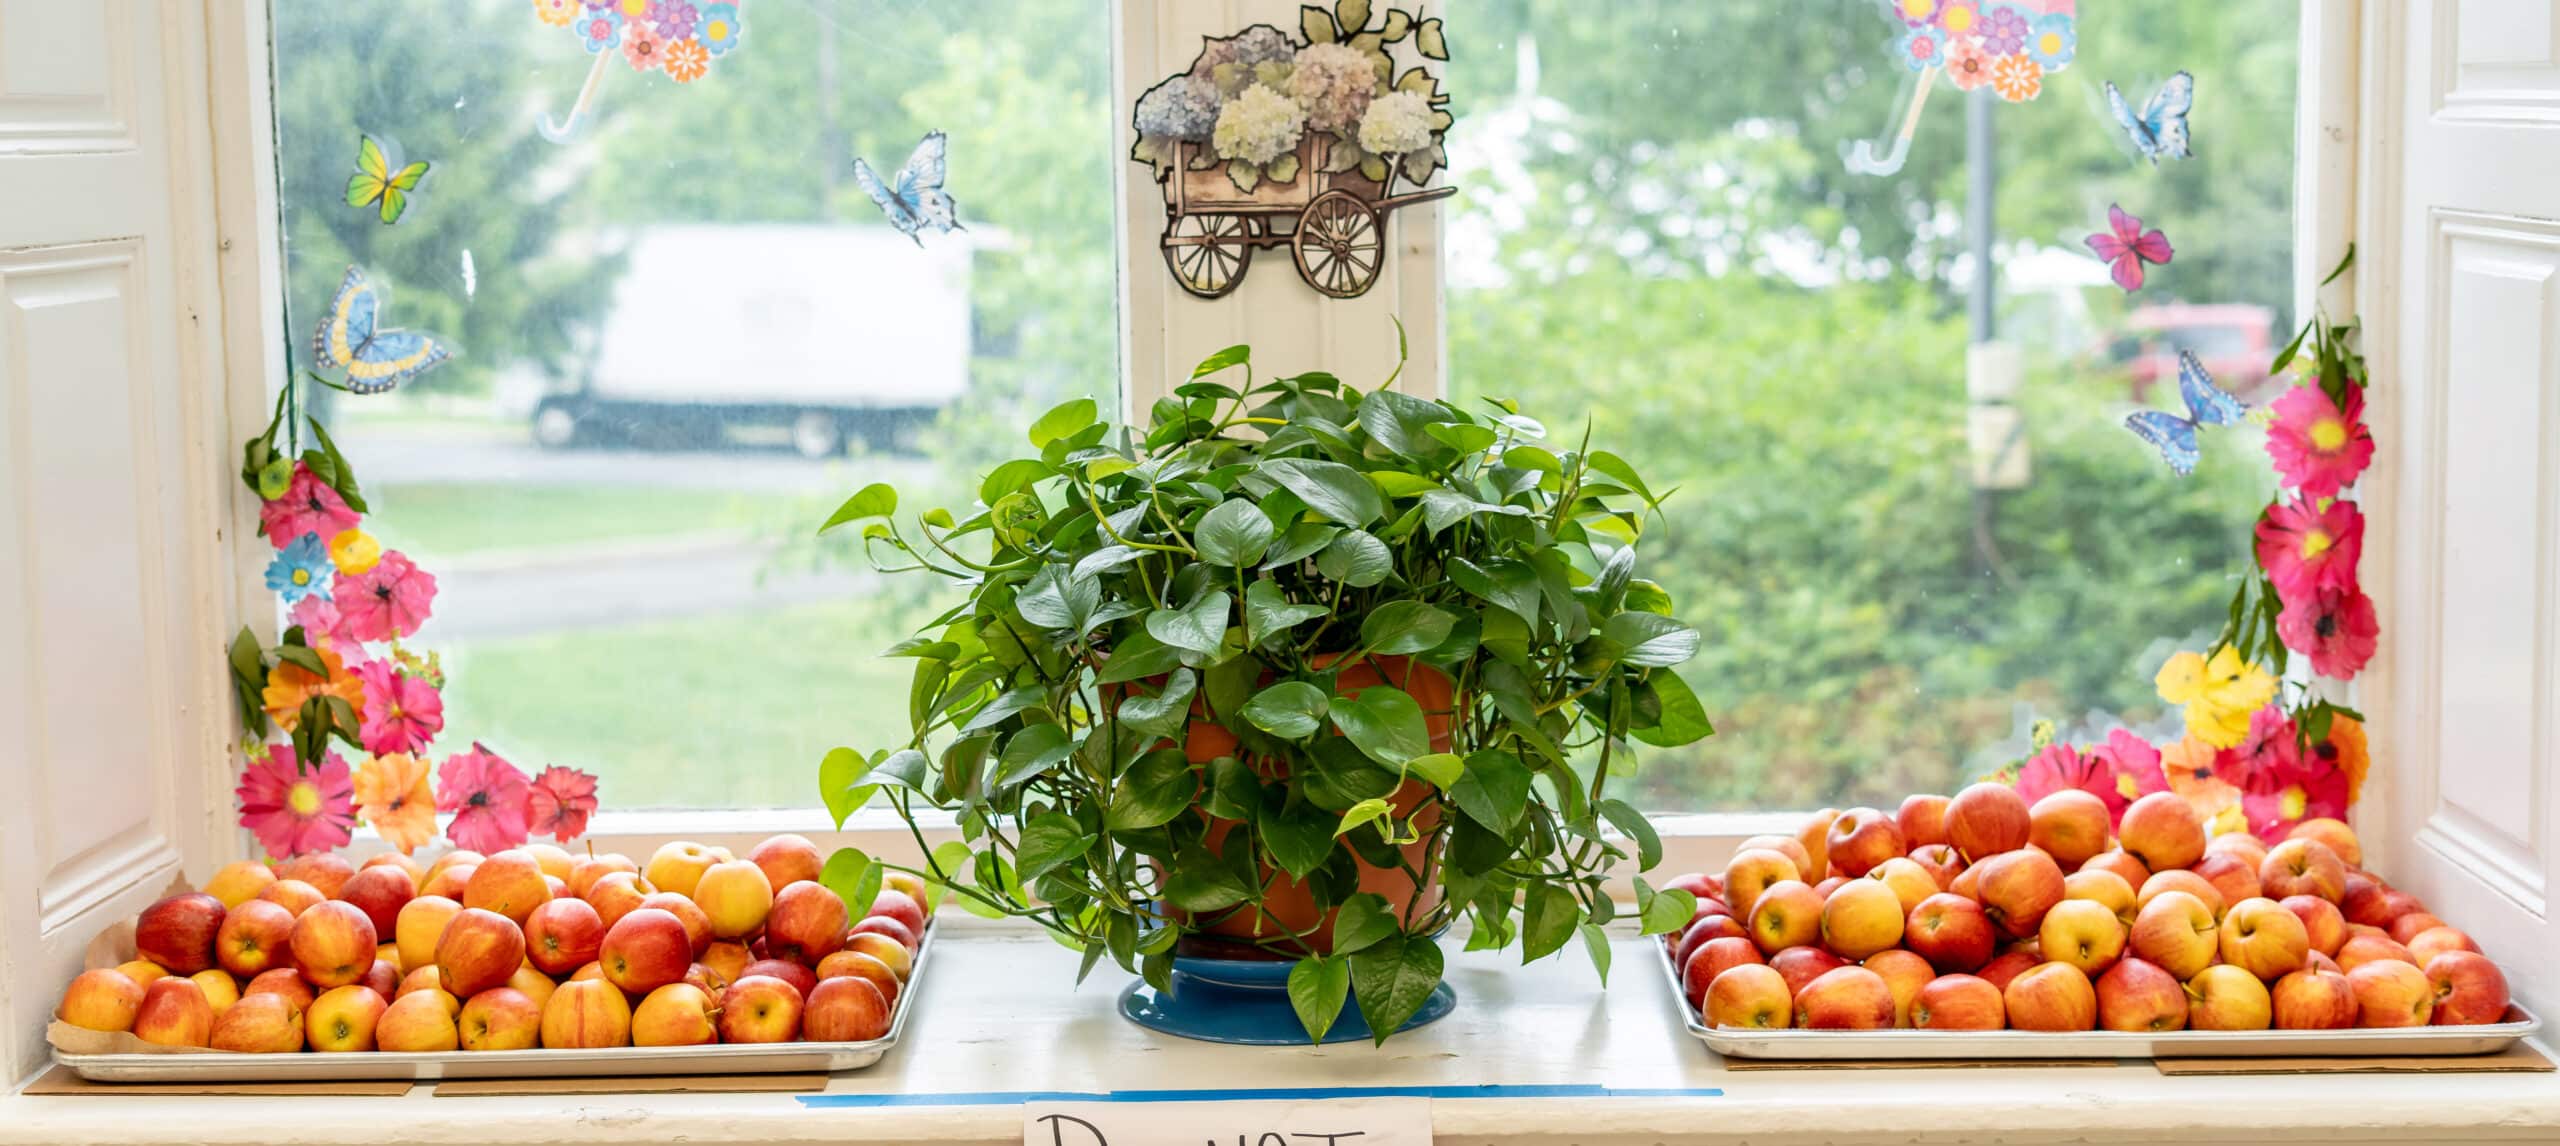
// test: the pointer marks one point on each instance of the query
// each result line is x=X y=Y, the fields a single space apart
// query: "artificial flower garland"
x=2262 y=753
x=340 y=671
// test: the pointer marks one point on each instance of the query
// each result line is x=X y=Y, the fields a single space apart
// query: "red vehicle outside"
x=2233 y=340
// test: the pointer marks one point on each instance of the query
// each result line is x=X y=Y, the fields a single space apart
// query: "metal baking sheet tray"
x=725 y=1058
x=1810 y=1046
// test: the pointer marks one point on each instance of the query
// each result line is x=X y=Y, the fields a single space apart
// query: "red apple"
x=2186 y=881
x=735 y=897
x=2321 y=923
x=285 y=983
x=2469 y=989
x=2392 y=993
x=1986 y=820
x=807 y=924
x=676 y=1015
x=500 y=1018
x=1710 y=959
x=383 y=977
x=333 y=944
x=1910 y=882
x=178 y=933
x=380 y=892
x=327 y=871
x=1904 y=974
x=588 y=1013
x=697 y=923
x=1922 y=820
x=678 y=866
x=1845 y=999
x=1800 y=966
x=174 y=1013
x=2070 y=825
x=1826 y=887
x=2126 y=868
x=2434 y=941
x=258 y=1024
x=802 y=979
x=1814 y=835
x=761 y=1009
x=1959 y=1003
x=614 y=895
x=584 y=871
x=1862 y=838
x=880 y=947
x=1788 y=914
x=1951 y=932
x=2303 y=867
x=2234 y=877
x=2136 y=995
x=2104 y=888
x=103 y=999
x=2242 y=846
x=240 y=882
x=343 y=1019
x=1860 y=919
x=1787 y=846
x=2018 y=887
x=2227 y=998
x=2177 y=931
x=1940 y=861
x=1697 y=884
x=862 y=966
x=1749 y=997
x=2006 y=967
x=254 y=936
x=1751 y=872
x=645 y=950
x=293 y=895
x=2336 y=836
x=563 y=935
x=420 y=927
x=2083 y=934
x=883 y=925
x=845 y=1010
x=419 y=1021
x=2051 y=997
x=2264 y=938
x=2314 y=1000
x=2410 y=926
x=480 y=949
x=2359 y=950
x=2163 y=831
x=509 y=883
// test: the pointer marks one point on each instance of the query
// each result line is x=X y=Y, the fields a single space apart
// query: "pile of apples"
x=529 y=947
x=1980 y=913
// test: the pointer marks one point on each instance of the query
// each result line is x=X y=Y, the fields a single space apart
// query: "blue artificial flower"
x=2052 y=41
x=301 y=569
x=720 y=28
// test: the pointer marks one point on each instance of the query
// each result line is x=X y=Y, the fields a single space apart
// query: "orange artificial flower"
x=2347 y=747
x=396 y=793
x=289 y=685
x=2188 y=764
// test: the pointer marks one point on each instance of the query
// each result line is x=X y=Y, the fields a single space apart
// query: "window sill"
x=999 y=1014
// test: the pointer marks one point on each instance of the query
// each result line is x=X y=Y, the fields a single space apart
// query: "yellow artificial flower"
x=355 y=552
x=2219 y=694
x=396 y=795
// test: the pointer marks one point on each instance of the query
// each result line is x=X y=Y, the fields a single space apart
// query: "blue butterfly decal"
x=2160 y=132
x=915 y=201
x=350 y=338
x=2207 y=405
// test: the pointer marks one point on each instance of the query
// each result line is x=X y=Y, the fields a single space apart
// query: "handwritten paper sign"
x=1287 y=1122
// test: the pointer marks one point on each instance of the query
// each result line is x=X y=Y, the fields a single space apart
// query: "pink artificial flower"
x=2273 y=811
x=560 y=801
x=2306 y=547
x=2337 y=630
x=308 y=506
x=2268 y=758
x=486 y=796
x=2318 y=448
x=401 y=713
x=323 y=627
x=293 y=812
x=2118 y=772
x=387 y=602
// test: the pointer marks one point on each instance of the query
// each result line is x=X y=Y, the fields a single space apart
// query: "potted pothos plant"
x=1294 y=673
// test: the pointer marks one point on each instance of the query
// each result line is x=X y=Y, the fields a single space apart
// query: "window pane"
x=1657 y=228
x=682 y=335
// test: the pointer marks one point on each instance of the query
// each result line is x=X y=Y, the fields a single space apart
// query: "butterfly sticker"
x=2160 y=132
x=2126 y=246
x=375 y=181
x=915 y=201
x=2207 y=405
x=351 y=338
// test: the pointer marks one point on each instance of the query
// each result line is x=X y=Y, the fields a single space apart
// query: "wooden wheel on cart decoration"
x=1340 y=244
x=1208 y=253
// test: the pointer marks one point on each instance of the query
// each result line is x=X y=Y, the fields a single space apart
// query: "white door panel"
x=2467 y=374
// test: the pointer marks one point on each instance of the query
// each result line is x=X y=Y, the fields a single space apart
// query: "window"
x=1656 y=226
x=682 y=333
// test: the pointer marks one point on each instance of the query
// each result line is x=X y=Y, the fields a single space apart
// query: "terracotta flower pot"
x=1287 y=905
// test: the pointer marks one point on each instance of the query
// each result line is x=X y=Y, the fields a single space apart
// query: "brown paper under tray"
x=2521 y=1057
x=1736 y=1063
x=642 y=1084
x=61 y=1081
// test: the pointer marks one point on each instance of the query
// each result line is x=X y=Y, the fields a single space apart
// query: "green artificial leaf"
x=854 y=877
x=1385 y=722
x=1650 y=639
x=1335 y=490
x=1062 y=420
x=1442 y=769
x=875 y=500
x=1356 y=559
x=1138 y=656
x=1165 y=713
x=1048 y=841
x=1624 y=816
x=1290 y=710
x=1233 y=533
x=1200 y=626
x=1547 y=919
x=1494 y=791
x=1268 y=611
x=1374 y=808
x=1032 y=751
x=838 y=776
x=1399 y=627
x=1392 y=978
x=1153 y=791
x=1595 y=941
x=1318 y=988
x=1684 y=720
x=1363 y=921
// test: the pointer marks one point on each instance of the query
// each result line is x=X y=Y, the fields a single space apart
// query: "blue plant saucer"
x=1246 y=1001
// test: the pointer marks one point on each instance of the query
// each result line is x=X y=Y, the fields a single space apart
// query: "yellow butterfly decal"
x=374 y=180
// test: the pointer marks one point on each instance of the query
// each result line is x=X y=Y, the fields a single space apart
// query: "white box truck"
x=833 y=332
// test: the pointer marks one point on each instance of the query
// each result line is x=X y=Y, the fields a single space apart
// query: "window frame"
x=1157 y=325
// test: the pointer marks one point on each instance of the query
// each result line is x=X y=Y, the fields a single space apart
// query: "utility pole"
x=836 y=148
x=1994 y=428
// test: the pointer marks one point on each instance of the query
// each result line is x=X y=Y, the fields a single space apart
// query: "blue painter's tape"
x=1018 y=1097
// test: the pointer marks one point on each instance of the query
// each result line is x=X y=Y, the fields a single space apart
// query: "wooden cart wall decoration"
x=1273 y=140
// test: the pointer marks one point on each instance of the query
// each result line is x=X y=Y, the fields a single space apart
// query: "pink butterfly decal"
x=2128 y=247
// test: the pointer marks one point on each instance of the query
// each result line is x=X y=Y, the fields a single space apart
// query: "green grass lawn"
x=726 y=711
x=455 y=519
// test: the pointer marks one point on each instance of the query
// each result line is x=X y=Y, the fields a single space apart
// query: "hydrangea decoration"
x=1178 y=109
x=1334 y=84
x=1259 y=126
x=1397 y=123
